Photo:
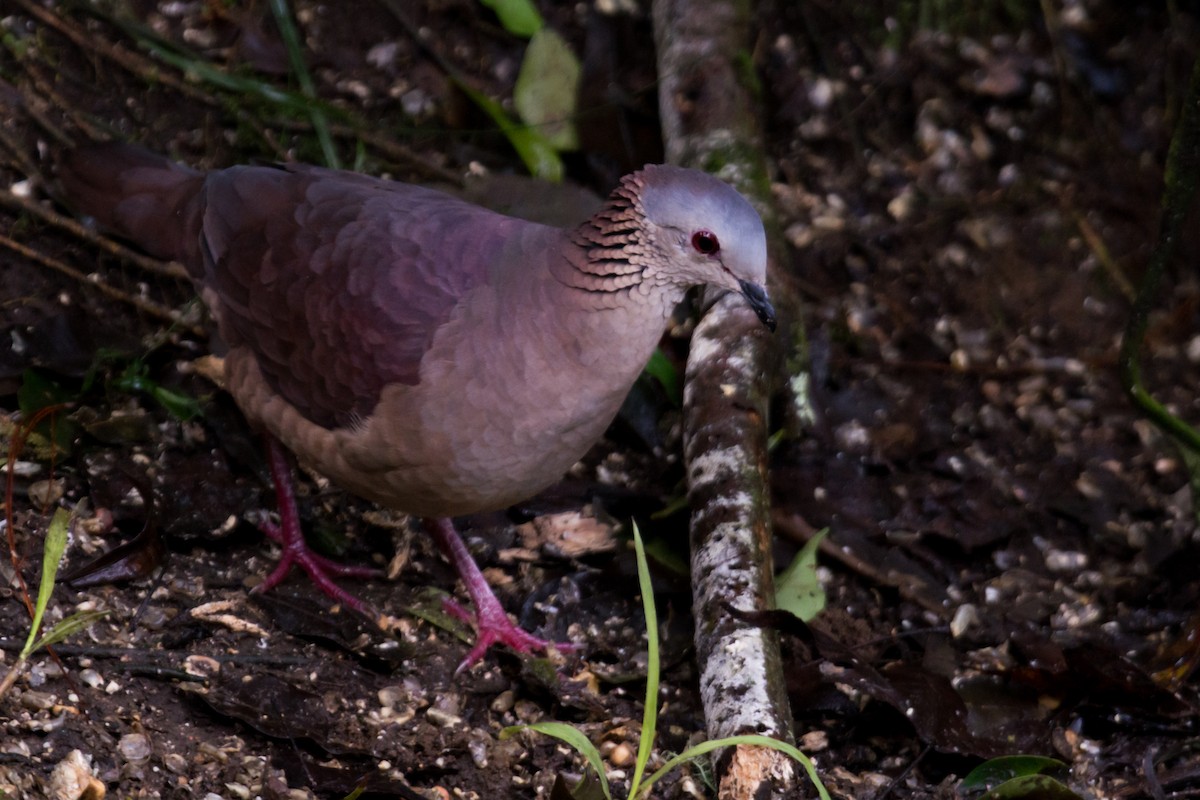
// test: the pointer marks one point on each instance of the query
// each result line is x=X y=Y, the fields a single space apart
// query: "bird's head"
x=705 y=233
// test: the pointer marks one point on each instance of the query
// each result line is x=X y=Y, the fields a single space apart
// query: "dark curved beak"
x=756 y=296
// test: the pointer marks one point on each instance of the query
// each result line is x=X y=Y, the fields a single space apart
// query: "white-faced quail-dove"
x=424 y=353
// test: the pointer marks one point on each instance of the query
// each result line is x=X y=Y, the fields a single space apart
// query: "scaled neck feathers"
x=612 y=250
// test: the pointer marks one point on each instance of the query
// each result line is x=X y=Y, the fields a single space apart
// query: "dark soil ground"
x=1012 y=559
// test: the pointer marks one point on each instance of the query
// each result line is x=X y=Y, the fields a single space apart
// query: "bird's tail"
x=137 y=195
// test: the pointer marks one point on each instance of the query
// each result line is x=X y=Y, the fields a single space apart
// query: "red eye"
x=705 y=242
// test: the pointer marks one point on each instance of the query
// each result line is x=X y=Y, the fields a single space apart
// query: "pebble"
x=46 y=493
x=72 y=779
x=621 y=755
x=135 y=748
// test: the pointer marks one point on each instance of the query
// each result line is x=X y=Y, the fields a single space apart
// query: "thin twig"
x=144 y=68
x=149 y=307
x=39 y=117
x=796 y=528
x=20 y=159
x=47 y=97
x=12 y=644
x=390 y=149
x=150 y=71
x=131 y=61
x=1100 y=250
x=165 y=269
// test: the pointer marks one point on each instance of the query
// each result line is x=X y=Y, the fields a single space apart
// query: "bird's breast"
x=509 y=398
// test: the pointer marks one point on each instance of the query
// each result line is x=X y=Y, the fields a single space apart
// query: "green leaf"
x=665 y=372
x=998 y=770
x=1031 y=787
x=52 y=554
x=431 y=607
x=650 y=711
x=797 y=590
x=538 y=155
x=573 y=737
x=547 y=88
x=662 y=552
x=136 y=378
x=672 y=507
x=38 y=391
x=68 y=626
x=729 y=741
x=181 y=406
x=519 y=17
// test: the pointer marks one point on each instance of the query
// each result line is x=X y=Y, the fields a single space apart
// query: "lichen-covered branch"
x=741 y=679
x=710 y=122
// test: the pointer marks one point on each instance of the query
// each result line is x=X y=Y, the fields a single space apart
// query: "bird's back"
x=336 y=282
x=336 y=292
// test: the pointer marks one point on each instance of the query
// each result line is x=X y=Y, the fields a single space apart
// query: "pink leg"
x=491 y=623
x=295 y=550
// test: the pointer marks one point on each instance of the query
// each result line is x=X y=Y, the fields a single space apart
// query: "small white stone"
x=965 y=616
x=1065 y=560
x=383 y=54
x=135 y=748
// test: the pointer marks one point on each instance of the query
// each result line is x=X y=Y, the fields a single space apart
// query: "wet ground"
x=1012 y=554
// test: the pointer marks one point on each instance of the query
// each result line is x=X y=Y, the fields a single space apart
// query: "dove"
x=420 y=351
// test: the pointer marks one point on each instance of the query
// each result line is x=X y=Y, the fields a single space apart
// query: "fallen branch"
x=709 y=123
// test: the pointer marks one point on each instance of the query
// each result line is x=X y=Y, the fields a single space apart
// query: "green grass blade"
x=52 y=553
x=538 y=155
x=136 y=378
x=68 y=626
x=573 y=737
x=750 y=739
x=291 y=41
x=650 y=714
x=193 y=66
x=519 y=17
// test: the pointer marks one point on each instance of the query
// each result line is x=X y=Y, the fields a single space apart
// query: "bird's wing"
x=337 y=283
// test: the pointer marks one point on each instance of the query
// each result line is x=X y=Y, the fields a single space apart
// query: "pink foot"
x=492 y=625
x=296 y=551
